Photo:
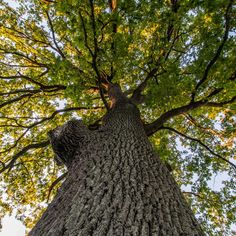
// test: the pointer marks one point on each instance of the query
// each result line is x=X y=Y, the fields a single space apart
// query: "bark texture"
x=116 y=184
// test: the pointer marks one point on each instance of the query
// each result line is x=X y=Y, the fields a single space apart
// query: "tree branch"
x=20 y=66
x=59 y=111
x=194 y=194
x=15 y=143
x=16 y=119
x=137 y=93
x=156 y=125
x=26 y=57
x=94 y=56
x=42 y=86
x=29 y=94
x=21 y=34
x=22 y=152
x=43 y=119
x=199 y=196
x=113 y=9
x=214 y=92
x=221 y=104
x=59 y=179
x=201 y=143
x=218 y=51
x=47 y=89
x=53 y=36
x=196 y=124
x=16 y=99
x=85 y=34
x=20 y=76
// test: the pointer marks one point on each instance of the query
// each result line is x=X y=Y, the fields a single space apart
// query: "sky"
x=12 y=227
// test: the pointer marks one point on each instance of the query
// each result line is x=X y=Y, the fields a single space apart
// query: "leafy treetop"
x=174 y=59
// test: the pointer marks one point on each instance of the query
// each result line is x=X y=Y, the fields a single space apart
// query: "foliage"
x=180 y=55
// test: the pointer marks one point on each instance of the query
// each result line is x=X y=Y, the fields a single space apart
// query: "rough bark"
x=116 y=184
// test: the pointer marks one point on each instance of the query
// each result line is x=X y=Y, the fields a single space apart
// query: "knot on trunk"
x=66 y=139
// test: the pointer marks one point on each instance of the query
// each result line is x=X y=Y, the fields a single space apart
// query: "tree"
x=110 y=63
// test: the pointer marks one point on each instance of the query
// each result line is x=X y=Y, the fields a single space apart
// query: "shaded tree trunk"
x=116 y=184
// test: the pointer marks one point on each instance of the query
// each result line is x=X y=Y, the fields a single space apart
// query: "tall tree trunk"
x=116 y=184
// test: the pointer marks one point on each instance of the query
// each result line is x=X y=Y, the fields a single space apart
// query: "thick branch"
x=113 y=5
x=20 y=91
x=94 y=29
x=201 y=143
x=22 y=152
x=214 y=92
x=37 y=123
x=170 y=29
x=156 y=125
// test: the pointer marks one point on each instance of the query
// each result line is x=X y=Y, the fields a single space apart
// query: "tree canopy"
x=174 y=59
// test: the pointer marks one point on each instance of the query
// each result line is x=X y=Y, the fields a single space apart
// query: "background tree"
x=175 y=59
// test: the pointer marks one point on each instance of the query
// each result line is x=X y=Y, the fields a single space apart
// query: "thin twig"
x=16 y=142
x=53 y=36
x=201 y=143
x=218 y=51
x=24 y=150
x=59 y=179
x=94 y=56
